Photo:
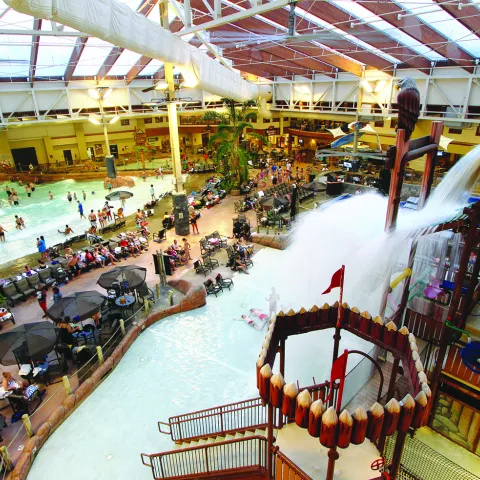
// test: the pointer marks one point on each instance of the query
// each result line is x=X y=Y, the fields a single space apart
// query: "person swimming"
x=251 y=322
x=67 y=230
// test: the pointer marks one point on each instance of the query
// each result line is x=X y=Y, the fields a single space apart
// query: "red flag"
x=337 y=280
x=339 y=370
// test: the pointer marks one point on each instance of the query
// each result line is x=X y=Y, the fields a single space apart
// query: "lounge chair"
x=222 y=241
x=223 y=282
x=212 y=288
x=209 y=262
x=200 y=267
x=45 y=277
x=7 y=315
x=23 y=287
x=162 y=235
x=35 y=281
x=12 y=294
x=144 y=293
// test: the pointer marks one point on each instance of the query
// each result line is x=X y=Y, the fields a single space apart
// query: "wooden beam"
x=412 y=26
x=342 y=20
x=468 y=16
x=74 y=58
x=37 y=25
x=144 y=9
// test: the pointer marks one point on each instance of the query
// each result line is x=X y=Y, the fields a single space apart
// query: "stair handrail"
x=299 y=473
x=228 y=409
x=149 y=459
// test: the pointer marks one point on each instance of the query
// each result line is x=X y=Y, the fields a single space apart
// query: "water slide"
x=118 y=24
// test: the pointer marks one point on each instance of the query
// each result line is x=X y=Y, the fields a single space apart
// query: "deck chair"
x=23 y=287
x=45 y=277
x=12 y=294
x=212 y=288
x=35 y=281
x=222 y=240
x=209 y=262
x=144 y=293
x=200 y=267
x=162 y=235
x=223 y=282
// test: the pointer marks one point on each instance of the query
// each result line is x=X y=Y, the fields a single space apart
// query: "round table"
x=129 y=301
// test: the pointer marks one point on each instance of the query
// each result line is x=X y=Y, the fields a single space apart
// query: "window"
x=275 y=119
x=158 y=119
x=379 y=123
x=148 y=120
x=124 y=122
x=285 y=119
x=456 y=131
x=266 y=120
x=393 y=123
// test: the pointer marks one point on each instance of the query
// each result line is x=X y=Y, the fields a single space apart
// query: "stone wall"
x=279 y=241
x=195 y=297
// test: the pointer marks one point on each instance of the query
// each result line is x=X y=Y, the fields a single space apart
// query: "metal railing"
x=230 y=418
x=233 y=417
x=420 y=462
x=454 y=366
x=285 y=469
x=241 y=455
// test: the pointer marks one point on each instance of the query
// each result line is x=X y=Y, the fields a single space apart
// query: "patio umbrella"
x=131 y=274
x=30 y=341
x=314 y=186
x=274 y=202
x=81 y=304
x=339 y=142
x=119 y=195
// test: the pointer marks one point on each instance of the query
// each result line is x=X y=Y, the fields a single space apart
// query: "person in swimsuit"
x=28 y=189
x=67 y=230
x=10 y=383
x=9 y=192
x=93 y=218
x=50 y=195
x=15 y=198
x=84 y=195
x=80 y=209
x=69 y=197
x=19 y=222
x=2 y=234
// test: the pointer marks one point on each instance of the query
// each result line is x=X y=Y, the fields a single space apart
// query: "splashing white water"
x=351 y=232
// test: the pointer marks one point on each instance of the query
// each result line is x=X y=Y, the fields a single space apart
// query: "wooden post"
x=99 y=354
x=66 y=385
x=7 y=461
x=391 y=389
x=147 y=306
x=402 y=147
x=170 y=297
x=332 y=457
x=427 y=178
x=397 y=454
x=28 y=425
x=270 y=442
x=157 y=290
x=122 y=326
x=282 y=371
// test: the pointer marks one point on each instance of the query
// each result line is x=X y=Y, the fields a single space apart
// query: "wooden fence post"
x=28 y=425
x=99 y=354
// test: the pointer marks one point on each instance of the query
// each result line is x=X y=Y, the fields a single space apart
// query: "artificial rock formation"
x=119 y=182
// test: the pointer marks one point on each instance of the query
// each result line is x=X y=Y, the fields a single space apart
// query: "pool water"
x=187 y=362
x=45 y=217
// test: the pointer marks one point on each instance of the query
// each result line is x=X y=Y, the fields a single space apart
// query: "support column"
x=47 y=141
x=82 y=144
x=180 y=203
x=397 y=454
x=270 y=441
x=5 y=150
x=333 y=456
x=282 y=371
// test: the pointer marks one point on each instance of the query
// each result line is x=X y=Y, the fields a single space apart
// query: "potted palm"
x=234 y=125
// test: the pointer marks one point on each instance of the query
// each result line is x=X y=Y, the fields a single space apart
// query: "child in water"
x=250 y=322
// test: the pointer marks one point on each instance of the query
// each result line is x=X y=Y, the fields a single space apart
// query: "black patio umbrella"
x=119 y=195
x=133 y=275
x=27 y=342
x=80 y=305
x=274 y=202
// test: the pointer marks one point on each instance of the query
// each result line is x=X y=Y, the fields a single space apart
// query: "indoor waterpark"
x=239 y=240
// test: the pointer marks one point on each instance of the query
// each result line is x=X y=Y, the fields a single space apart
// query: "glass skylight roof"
x=152 y=67
x=374 y=21
x=124 y=63
x=92 y=58
x=327 y=26
x=435 y=17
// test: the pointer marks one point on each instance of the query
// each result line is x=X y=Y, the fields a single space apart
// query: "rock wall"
x=280 y=241
x=195 y=297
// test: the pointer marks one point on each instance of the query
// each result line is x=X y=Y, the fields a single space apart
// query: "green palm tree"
x=231 y=157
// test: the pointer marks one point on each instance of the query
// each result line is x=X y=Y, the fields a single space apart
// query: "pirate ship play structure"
x=238 y=440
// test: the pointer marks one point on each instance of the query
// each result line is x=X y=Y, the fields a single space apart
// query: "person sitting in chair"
x=239 y=265
x=11 y=384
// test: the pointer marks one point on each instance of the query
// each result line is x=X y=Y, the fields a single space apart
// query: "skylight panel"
x=15 y=55
x=92 y=58
x=152 y=68
x=327 y=26
x=376 y=22
x=13 y=20
x=435 y=17
x=53 y=54
x=124 y=63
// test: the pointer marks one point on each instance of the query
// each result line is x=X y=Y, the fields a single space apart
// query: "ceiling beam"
x=37 y=25
x=74 y=58
x=468 y=16
x=342 y=20
x=236 y=16
x=144 y=9
x=413 y=26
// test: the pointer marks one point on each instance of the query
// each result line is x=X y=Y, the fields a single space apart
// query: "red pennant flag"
x=339 y=370
x=336 y=281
